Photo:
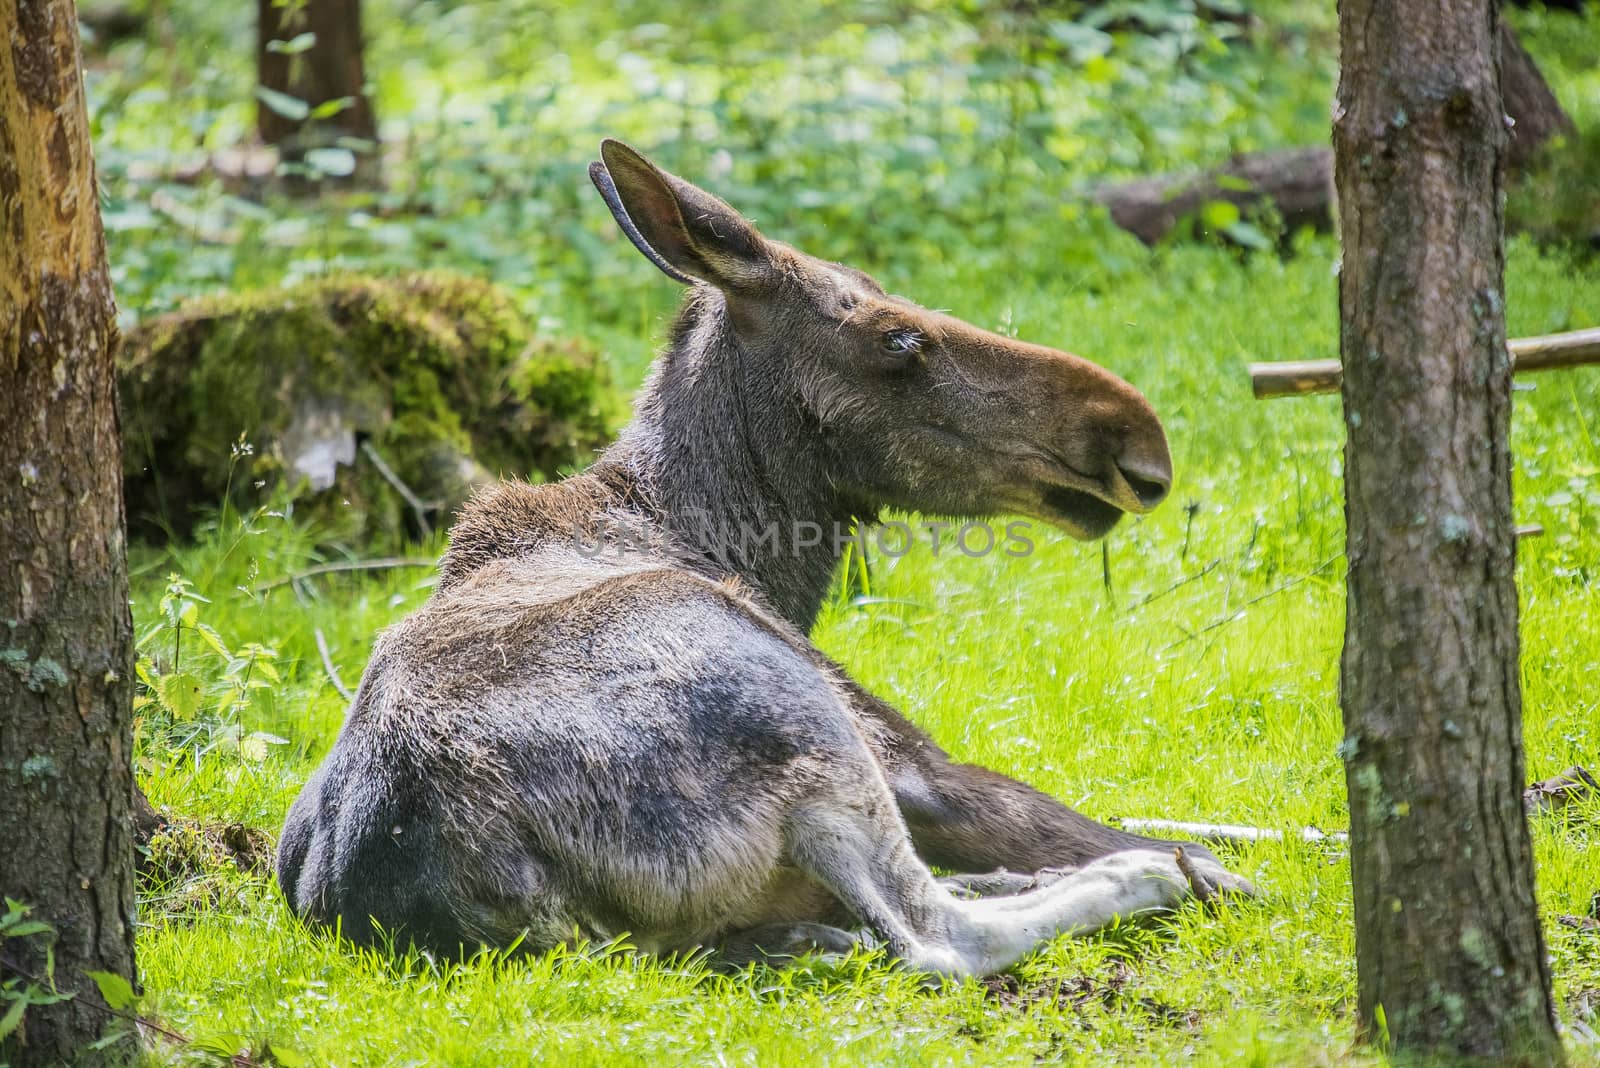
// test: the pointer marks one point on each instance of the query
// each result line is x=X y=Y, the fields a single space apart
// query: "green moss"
x=269 y=396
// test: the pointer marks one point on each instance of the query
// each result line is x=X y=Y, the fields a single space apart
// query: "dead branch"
x=1548 y=795
x=1542 y=797
x=1294 y=378
x=1227 y=832
x=346 y=565
x=1294 y=181
x=417 y=507
x=327 y=665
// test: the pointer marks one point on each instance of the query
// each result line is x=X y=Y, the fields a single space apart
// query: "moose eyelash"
x=903 y=341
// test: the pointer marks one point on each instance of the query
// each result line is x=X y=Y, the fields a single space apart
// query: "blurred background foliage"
x=883 y=132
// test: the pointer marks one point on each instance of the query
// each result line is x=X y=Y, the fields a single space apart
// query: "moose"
x=569 y=743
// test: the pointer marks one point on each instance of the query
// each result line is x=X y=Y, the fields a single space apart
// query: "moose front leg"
x=966 y=818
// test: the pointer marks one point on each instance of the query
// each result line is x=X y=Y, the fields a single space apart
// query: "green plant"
x=200 y=704
x=19 y=991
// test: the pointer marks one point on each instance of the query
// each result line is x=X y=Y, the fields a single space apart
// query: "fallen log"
x=1298 y=182
x=111 y=22
x=377 y=405
x=1535 y=113
x=1295 y=378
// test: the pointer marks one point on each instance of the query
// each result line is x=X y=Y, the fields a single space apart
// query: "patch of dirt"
x=1582 y=1015
x=1588 y=922
x=187 y=866
x=1080 y=993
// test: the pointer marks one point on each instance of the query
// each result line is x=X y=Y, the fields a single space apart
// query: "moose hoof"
x=1209 y=881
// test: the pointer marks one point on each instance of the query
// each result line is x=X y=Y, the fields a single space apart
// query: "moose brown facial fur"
x=566 y=742
x=911 y=408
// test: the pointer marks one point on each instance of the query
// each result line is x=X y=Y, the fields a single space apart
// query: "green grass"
x=937 y=145
x=1203 y=686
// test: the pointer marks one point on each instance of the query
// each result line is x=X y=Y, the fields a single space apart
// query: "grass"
x=1201 y=686
x=932 y=144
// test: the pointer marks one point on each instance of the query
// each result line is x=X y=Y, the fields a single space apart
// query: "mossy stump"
x=370 y=406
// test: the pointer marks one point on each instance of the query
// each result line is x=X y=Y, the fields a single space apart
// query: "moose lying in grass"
x=571 y=740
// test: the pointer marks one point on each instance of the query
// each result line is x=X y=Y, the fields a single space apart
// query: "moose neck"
x=727 y=461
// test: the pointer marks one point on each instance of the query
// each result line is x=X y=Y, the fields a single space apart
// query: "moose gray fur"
x=569 y=742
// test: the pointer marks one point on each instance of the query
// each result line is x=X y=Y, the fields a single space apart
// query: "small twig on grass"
x=1226 y=832
x=401 y=488
x=327 y=665
x=1257 y=599
x=1178 y=585
x=380 y=564
x=238 y=1060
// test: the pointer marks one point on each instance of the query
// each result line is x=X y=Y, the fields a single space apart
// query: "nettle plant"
x=196 y=692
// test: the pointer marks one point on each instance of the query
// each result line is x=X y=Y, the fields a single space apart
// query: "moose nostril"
x=1150 y=491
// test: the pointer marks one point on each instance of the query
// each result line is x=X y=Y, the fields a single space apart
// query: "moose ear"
x=688 y=233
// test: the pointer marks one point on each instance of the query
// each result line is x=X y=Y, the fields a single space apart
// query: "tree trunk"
x=1449 y=950
x=1298 y=182
x=66 y=639
x=330 y=69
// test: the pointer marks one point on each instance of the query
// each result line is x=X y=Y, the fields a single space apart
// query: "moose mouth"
x=1084 y=515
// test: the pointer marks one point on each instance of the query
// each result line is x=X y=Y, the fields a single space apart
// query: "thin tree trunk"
x=331 y=69
x=1449 y=950
x=66 y=643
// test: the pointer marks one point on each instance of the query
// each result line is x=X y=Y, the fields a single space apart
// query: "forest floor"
x=1188 y=673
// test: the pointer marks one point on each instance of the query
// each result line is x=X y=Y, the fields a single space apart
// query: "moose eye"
x=900 y=342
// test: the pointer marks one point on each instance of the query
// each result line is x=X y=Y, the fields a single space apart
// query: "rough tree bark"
x=66 y=639
x=1449 y=950
x=1298 y=182
x=331 y=69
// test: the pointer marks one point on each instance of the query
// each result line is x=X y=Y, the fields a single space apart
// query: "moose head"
x=914 y=409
